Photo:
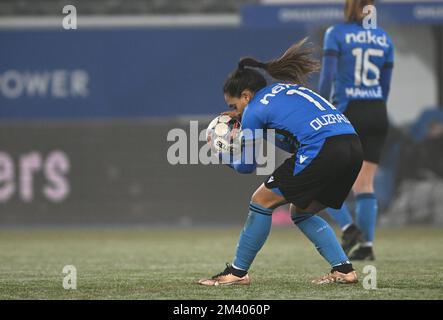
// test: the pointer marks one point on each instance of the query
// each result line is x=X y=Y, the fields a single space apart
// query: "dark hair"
x=354 y=9
x=293 y=67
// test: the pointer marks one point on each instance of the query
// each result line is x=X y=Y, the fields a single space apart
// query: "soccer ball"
x=224 y=135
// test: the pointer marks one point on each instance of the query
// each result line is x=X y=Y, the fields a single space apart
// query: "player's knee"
x=256 y=198
x=262 y=201
x=365 y=180
x=266 y=202
x=261 y=198
x=363 y=187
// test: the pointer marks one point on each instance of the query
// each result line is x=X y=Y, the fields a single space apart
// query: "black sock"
x=238 y=273
x=343 y=268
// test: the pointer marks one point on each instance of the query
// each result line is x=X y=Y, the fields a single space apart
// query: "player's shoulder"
x=255 y=106
x=382 y=37
x=385 y=33
x=336 y=29
x=270 y=96
x=381 y=30
x=258 y=101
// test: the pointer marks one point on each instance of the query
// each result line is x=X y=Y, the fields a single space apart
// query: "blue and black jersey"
x=301 y=118
x=357 y=63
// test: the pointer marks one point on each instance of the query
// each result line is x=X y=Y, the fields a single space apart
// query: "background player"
x=358 y=64
x=326 y=159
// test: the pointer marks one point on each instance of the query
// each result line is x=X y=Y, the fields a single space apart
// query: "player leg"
x=252 y=238
x=371 y=122
x=320 y=233
x=352 y=235
x=341 y=216
x=366 y=210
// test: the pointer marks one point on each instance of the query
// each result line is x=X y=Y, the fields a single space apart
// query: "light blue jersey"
x=362 y=55
x=302 y=120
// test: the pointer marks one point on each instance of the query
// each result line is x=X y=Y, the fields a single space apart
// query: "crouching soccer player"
x=327 y=157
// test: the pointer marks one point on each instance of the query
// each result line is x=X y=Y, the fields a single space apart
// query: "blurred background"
x=85 y=113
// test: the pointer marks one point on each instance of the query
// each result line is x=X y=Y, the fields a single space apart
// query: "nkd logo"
x=47 y=83
x=367 y=37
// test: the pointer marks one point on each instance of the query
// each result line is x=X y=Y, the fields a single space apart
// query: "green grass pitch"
x=166 y=263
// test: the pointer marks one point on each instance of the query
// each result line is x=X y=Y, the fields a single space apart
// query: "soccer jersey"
x=301 y=118
x=362 y=55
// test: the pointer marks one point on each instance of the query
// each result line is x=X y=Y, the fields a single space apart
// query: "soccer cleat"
x=337 y=277
x=351 y=236
x=362 y=253
x=226 y=278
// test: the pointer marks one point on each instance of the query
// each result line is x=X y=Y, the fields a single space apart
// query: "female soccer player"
x=326 y=159
x=358 y=62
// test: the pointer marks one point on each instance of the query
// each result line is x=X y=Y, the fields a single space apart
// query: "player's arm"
x=246 y=162
x=385 y=81
x=329 y=63
x=386 y=73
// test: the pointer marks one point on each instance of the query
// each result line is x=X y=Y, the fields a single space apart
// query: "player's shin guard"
x=366 y=215
x=322 y=236
x=341 y=216
x=253 y=236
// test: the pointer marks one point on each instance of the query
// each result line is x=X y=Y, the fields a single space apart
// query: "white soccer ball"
x=224 y=135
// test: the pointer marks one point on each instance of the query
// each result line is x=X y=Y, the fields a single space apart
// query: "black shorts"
x=370 y=120
x=327 y=179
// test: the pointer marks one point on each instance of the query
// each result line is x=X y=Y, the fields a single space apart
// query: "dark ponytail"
x=250 y=62
x=293 y=67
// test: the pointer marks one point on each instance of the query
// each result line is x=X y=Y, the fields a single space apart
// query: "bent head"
x=241 y=86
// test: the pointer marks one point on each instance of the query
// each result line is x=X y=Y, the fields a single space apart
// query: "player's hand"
x=233 y=114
